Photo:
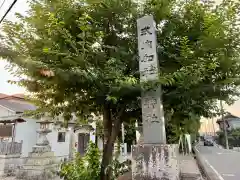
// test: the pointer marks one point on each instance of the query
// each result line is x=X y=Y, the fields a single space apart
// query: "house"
x=232 y=122
x=22 y=130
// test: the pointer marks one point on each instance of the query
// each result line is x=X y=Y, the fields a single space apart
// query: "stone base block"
x=39 y=166
x=41 y=155
x=155 y=162
x=41 y=149
x=37 y=172
x=40 y=162
x=40 y=159
x=9 y=164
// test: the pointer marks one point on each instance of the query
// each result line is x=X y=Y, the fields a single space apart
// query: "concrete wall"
x=60 y=149
x=26 y=132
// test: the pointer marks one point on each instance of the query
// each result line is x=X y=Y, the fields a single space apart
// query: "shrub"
x=84 y=168
x=88 y=167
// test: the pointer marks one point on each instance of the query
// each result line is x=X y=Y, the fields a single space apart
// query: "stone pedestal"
x=9 y=164
x=155 y=162
x=41 y=163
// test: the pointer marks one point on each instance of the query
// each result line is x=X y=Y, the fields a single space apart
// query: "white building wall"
x=60 y=149
x=5 y=112
x=92 y=133
x=26 y=132
x=100 y=144
x=91 y=138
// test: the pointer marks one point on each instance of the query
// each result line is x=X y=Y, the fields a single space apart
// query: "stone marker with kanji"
x=154 y=159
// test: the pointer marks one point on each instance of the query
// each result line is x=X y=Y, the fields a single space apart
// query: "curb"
x=218 y=146
x=204 y=166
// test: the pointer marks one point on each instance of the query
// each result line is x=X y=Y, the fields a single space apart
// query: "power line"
x=2 y=4
x=9 y=9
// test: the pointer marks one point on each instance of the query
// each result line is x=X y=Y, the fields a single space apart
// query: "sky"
x=5 y=87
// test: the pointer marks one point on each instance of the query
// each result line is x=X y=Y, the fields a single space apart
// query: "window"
x=61 y=136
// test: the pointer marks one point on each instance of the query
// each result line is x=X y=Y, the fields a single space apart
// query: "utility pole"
x=224 y=125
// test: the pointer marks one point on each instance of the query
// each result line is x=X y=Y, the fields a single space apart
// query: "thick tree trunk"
x=96 y=140
x=110 y=135
x=107 y=130
x=106 y=160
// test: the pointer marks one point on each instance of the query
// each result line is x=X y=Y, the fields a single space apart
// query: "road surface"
x=225 y=163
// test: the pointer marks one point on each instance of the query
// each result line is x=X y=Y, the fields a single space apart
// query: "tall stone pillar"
x=153 y=159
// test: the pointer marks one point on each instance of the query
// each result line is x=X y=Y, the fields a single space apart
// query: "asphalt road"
x=225 y=163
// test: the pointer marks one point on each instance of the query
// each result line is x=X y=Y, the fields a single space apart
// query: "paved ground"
x=13 y=178
x=225 y=163
x=189 y=168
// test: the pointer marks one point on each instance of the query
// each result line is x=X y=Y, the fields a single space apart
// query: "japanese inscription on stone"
x=152 y=112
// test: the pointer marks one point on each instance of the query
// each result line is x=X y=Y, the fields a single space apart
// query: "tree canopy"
x=81 y=56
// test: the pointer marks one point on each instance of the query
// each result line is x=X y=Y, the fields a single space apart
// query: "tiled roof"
x=3 y=95
x=17 y=105
x=14 y=96
x=18 y=95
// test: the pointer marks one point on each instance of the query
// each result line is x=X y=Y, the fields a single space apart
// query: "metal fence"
x=8 y=148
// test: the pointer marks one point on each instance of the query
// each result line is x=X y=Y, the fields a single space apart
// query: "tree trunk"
x=107 y=130
x=96 y=140
x=110 y=135
x=106 y=160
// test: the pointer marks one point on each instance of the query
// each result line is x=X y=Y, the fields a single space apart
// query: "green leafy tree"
x=81 y=57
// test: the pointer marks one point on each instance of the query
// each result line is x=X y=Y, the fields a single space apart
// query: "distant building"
x=232 y=122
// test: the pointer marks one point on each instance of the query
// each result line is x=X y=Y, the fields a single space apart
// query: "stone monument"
x=153 y=159
x=41 y=163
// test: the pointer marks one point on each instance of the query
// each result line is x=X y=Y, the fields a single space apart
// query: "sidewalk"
x=188 y=168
